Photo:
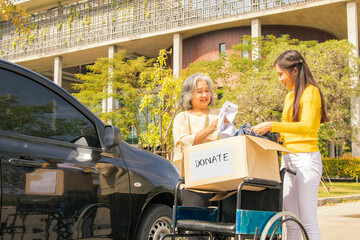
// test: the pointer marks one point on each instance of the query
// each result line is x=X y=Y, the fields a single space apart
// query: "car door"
x=56 y=179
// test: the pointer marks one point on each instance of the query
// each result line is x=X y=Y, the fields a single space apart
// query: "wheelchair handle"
x=290 y=171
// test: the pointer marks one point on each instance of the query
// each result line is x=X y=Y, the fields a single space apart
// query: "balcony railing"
x=97 y=21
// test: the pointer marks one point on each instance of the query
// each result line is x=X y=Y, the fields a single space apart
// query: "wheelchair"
x=258 y=214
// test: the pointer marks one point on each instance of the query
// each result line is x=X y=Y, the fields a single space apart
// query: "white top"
x=185 y=127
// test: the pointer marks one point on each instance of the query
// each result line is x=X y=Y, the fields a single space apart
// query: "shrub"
x=348 y=167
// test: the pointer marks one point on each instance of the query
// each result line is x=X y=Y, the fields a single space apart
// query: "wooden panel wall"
x=206 y=46
x=301 y=33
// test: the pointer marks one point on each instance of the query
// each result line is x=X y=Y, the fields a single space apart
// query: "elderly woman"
x=196 y=125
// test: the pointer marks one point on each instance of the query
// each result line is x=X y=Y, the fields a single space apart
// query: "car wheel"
x=155 y=223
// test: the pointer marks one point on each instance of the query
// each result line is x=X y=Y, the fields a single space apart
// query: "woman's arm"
x=311 y=108
x=181 y=132
x=311 y=105
x=262 y=128
x=203 y=134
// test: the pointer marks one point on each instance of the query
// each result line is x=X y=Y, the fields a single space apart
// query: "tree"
x=260 y=97
x=146 y=93
x=253 y=86
x=122 y=75
x=161 y=101
x=10 y=11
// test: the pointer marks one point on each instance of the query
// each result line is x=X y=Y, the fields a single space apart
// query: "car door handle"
x=24 y=163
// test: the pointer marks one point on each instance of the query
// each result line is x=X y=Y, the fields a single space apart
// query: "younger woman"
x=304 y=110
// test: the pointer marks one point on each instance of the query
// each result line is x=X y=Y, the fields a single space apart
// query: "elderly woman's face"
x=202 y=95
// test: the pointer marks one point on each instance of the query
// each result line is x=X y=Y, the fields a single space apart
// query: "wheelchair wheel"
x=94 y=221
x=285 y=217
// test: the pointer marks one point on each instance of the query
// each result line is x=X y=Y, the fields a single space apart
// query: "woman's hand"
x=262 y=128
x=201 y=135
x=213 y=126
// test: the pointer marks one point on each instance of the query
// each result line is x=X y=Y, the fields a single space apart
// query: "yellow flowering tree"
x=10 y=11
x=160 y=100
x=127 y=80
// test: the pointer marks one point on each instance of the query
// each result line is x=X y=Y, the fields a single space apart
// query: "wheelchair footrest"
x=206 y=226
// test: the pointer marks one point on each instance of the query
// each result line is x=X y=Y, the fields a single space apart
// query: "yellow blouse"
x=185 y=127
x=301 y=136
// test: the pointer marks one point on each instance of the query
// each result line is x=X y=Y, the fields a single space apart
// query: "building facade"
x=70 y=34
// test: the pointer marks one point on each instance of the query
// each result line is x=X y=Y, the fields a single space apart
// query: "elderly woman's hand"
x=213 y=126
x=262 y=128
x=205 y=132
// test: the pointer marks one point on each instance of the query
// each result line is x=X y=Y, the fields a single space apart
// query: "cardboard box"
x=55 y=181
x=222 y=165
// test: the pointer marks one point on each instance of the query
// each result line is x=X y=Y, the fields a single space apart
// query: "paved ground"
x=340 y=221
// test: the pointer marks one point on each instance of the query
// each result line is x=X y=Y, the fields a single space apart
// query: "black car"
x=67 y=175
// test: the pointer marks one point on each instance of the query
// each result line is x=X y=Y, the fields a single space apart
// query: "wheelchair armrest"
x=181 y=180
x=258 y=182
x=290 y=171
x=284 y=170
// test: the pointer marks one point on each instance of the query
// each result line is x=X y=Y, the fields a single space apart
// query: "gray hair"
x=189 y=87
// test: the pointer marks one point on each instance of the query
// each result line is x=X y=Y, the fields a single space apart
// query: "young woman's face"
x=285 y=77
x=202 y=95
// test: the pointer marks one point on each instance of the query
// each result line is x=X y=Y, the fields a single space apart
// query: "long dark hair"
x=288 y=61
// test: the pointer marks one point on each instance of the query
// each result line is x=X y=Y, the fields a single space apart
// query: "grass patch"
x=338 y=189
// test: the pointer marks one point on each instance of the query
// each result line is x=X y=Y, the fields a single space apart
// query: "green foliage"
x=341 y=167
x=116 y=78
x=11 y=11
x=329 y=62
x=146 y=93
x=255 y=89
x=162 y=94
x=214 y=69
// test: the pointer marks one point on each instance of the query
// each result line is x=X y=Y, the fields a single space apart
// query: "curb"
x=322 y=201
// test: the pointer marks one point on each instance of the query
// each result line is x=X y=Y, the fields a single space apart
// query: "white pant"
x=301 y=192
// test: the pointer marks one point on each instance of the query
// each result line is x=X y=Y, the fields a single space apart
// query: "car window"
x=29 y=108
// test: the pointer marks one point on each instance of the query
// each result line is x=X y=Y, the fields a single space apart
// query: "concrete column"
x=255 y=32
x=353 y=37
x=58 y=70
x=112 y=51
x=352 y=25
x=355 y=120
x=177 y=54
x=104 y=105
x=111 y=101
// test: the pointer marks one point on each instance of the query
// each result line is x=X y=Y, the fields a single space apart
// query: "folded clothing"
x=246 y=130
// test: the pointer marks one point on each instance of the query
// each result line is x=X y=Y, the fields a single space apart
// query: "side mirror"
x=112 y=137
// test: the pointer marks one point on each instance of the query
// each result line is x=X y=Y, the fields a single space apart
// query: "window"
x=133 y=137
x=245 y=53
x=221 y=48
x=28 y=108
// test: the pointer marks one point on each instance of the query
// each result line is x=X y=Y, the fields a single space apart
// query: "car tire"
x=155 y=222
